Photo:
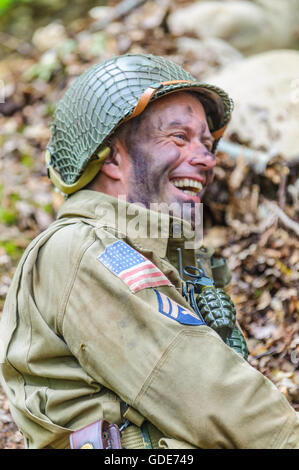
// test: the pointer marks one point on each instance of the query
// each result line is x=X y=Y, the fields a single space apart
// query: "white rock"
x=49 y=58
x=250 y=27
x=49 y=36
x=212 y=53
x=100 y=13
x=265 y=89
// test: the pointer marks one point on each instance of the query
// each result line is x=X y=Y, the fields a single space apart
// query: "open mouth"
x=188 y=185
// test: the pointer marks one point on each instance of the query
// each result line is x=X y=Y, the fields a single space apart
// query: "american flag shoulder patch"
x=175 y=311
x=131 y=267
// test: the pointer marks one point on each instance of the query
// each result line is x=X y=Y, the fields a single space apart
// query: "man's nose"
x=202 y=157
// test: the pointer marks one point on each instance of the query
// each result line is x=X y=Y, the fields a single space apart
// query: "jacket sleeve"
x=182 y=378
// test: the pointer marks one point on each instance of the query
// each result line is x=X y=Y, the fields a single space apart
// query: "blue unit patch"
x=175 y=311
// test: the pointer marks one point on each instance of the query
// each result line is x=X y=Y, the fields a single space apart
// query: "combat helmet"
x=107 y=95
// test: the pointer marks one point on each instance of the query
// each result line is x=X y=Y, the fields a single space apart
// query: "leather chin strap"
x=219 y=133
x=94 y=166
x=148 y=94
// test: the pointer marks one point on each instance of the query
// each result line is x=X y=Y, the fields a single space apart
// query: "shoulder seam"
x=61 y=312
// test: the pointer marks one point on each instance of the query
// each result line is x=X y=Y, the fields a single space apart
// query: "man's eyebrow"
x=176 y=123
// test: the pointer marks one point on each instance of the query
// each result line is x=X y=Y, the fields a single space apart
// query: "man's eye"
x=208 y=145
x=180 y=136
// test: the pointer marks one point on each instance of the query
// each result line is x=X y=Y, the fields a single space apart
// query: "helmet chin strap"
x=148 y=94
x=92 y=168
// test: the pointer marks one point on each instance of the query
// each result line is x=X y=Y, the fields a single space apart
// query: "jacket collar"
x=149 y=230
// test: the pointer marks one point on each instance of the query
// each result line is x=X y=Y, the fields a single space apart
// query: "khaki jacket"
x=81 y=337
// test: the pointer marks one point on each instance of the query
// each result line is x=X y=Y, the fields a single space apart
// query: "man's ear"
x=113 y=165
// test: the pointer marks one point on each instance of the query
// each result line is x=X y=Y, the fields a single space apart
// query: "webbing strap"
x=144 y=437
x=132 y=438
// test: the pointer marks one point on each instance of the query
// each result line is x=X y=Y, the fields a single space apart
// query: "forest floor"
x=261 y=246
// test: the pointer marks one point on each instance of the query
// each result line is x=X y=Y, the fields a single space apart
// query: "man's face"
x=170 y=153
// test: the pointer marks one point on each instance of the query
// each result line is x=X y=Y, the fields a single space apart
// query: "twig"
x=120 y=10
x=283 y=217
x=255 y=158
x=266 y=353
x=282 y=190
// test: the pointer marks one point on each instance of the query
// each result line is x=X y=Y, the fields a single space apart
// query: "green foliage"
x=8 y=211
x=12 y=250
x=8 y=216
x=27 y=160
x=15 y=197
x=49 y=109
x=98 y=43
x=48 y=209
x=6 y=5
x=66 y=47
x=44 y=69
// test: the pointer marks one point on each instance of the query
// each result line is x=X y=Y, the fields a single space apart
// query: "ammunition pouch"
x=98 y=435
x=135 y=433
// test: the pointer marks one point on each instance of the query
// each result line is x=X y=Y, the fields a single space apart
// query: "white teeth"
x=191 y=193
x=188 y=183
